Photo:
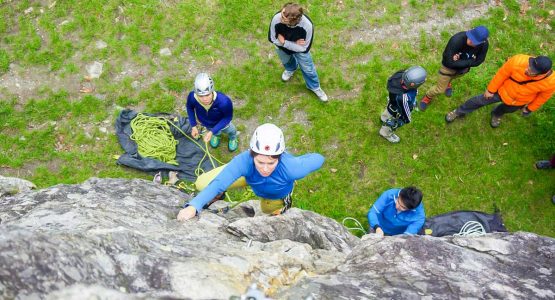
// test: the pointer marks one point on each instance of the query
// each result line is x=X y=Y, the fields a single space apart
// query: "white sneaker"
x=286 y=75
x=389 y=135
x=321 y=94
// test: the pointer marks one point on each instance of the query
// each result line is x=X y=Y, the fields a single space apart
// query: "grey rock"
x=100 y=44
x=298 y=225
x=118 y=239
x=165 y=52
x=12 y=185
x=94 y=70
x=495 y=266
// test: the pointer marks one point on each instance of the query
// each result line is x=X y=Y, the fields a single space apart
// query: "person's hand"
x=207 y=136
x=456 y=57
x=187 y=213
x=488 y=95
x=379 y=232
x=301 y=42
x=194 y=132
x=281 y=39
x=525 y=112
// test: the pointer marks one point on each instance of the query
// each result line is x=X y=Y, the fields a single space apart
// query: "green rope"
x=154 y=138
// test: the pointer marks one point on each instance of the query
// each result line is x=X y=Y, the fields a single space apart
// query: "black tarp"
x=188 y=153
x=451 y=223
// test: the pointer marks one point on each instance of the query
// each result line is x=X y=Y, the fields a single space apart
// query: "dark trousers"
x=478 y=101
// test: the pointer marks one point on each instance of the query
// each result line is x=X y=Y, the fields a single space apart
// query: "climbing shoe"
x=449 y=90
x=451 y=116
x=423 y=105
x=232 y=145
x=495 y=121
x=215 y=141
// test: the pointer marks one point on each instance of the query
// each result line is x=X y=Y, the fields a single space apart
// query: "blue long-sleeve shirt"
x=384 y=214
x=217 y=117
x=276 y=186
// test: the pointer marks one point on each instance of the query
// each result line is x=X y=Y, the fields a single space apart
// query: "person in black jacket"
x=402 y=87
x=464 y=50
x=292 y=33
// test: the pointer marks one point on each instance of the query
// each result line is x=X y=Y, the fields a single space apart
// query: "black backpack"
x=452 y=222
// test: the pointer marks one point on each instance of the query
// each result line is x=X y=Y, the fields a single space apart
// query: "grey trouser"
x=478 y=101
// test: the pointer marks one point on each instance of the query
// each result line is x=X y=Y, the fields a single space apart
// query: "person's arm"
x=236 y=168
x=454 y=46
x=504 y=73
x=403 y=103
x=481 y=55
x=272 y=36
x=300 y=166
x=541 y=98
x=227 y=109
x=415 y=226
x=293 y=45
x=191 y=101
x=377 y=209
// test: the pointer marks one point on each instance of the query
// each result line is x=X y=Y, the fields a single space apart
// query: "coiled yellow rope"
x=154 y=138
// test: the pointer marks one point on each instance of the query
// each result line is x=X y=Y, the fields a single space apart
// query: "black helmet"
x=414 y=77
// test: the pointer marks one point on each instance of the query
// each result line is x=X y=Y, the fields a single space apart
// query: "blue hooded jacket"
x=276 y=186
x=384 y=214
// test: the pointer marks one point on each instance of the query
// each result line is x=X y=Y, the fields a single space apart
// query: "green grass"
x=53 y=135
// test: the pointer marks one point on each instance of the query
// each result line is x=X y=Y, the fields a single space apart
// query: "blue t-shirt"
x=276 y=186
x=384 y=214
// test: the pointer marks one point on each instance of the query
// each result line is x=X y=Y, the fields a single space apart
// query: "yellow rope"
x=154 y=138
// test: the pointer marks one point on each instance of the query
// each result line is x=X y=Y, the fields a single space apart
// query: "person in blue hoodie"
x=265 y=167
x=397 y=211
x=213 y=110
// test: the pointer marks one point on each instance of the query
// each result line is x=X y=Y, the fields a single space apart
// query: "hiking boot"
x=215 y=141
x=286 y=75
x=449 y=90
x=544 y=164
x=495 y=121
x=423 y=105
x=389 y=135
x=321 y=94
x=451 y=116
x=232 y=145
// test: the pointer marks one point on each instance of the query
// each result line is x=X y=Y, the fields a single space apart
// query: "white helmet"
x=268 y=139
x=204 y=85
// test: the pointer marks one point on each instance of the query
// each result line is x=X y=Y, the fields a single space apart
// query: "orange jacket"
x=518 y=89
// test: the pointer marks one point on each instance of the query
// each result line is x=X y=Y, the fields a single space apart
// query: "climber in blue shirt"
x=397 y=211
x=266 y=168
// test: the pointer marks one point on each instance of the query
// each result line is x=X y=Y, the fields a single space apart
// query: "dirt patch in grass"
x=407 y=29
x=28 y=169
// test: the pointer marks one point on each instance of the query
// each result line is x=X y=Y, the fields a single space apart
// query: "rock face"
x=12 y=185
x=118 y=239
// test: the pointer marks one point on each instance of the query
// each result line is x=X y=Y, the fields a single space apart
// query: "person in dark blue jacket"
x=397 y=211
x=213 y=110
x=266 y=168
x=402 y=87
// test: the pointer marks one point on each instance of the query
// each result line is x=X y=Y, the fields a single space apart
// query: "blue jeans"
x=230 y=130
x=303 y=60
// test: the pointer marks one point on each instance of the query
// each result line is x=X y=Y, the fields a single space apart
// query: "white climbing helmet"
x=268 y=139
x=204 y=85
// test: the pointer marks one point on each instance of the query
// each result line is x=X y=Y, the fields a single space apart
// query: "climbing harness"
x=472 y=228
x=358 y=226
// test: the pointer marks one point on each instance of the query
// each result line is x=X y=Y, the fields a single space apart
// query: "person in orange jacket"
x=523 y=82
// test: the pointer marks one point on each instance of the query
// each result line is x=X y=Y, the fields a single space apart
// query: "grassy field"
x=56 y=125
